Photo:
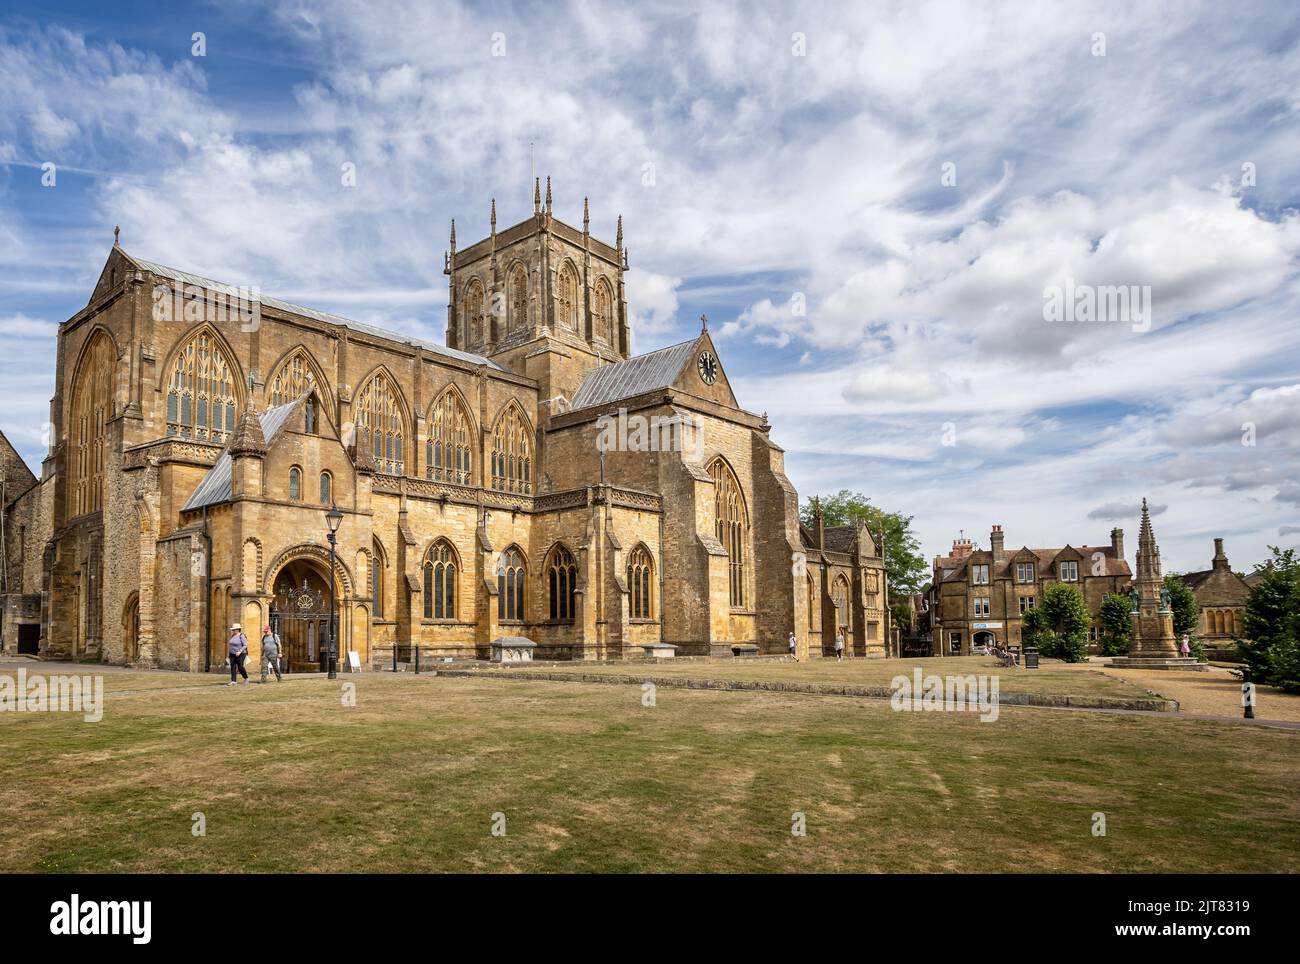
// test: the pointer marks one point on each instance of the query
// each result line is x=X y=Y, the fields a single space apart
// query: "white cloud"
x=652 y=301
x=775 y=174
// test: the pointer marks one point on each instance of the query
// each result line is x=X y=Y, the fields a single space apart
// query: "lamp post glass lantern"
x=333 y=518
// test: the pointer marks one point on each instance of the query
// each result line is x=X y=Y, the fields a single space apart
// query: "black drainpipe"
x=207 y=599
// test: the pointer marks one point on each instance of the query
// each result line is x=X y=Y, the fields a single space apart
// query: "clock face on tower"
x=708 y=366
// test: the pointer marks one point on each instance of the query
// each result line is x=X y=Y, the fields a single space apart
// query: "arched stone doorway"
x=300 y=615
x=131 y=629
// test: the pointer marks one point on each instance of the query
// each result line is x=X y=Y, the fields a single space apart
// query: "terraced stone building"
x=978 y=597
x=528 y=478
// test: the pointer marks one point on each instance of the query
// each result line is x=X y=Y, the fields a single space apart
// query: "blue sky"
x=869 y=201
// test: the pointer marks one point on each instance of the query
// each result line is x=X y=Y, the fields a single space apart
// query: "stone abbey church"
x=193 y=455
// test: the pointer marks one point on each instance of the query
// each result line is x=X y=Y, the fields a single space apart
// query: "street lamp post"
x=333 y=518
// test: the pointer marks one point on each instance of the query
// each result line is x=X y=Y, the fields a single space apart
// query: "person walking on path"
x=839 y=645
x=238 y=652
x=271 y=654
x=794 y=652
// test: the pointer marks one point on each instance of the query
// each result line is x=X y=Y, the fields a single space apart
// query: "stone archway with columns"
x=351 y=629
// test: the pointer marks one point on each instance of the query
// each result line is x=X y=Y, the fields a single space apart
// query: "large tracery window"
x=510 y=586
x=92 y=406
x=381 y=427
x=293 y=379
x=201 y=393
x=512 y=453
x=447 y=449
x=518 y=288
x=440 y=581
x=471 y=306
x=732 y=523
x=567 y=296
x=639 y=581
x=602 y=311
x=562 y=581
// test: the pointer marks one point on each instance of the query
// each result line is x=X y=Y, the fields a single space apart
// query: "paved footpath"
x=1215 y=692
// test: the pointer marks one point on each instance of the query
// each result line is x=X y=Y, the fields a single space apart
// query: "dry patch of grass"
x=1052 y=678
x=589 y=779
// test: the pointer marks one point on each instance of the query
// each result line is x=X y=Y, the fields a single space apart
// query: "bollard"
x=417 y=661
x=394 y=657
x=1247 y=694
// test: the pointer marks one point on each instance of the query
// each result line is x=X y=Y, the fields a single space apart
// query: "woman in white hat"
x=238 y=652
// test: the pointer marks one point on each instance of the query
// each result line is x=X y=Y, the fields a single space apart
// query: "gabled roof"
x=215 y=487
x=14 y=471
x=643 y=373
x=954 y=569
x=185 y=277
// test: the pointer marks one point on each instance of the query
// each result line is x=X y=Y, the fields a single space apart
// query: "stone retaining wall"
x=1149 y=705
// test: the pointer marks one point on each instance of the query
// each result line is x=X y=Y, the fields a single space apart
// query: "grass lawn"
x=1052 y=677
x=590 y=779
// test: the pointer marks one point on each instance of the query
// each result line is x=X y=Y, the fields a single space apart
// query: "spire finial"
x=494 y=215
x=453 y=235
x=586 y=217
x=117 y=231
x=548 y=194
x=537 y=195
x=619 y=240
x=704 y=323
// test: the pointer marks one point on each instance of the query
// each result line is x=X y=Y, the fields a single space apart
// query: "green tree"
x=1271 y=648
x=1187 y=611
x=905 y=566
x=1058 y=625
x=1116 y=624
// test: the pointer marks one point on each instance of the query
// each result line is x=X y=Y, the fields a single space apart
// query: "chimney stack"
x=1220 y=559
x=995 y=542
x=1117 y=543
x=961 y=548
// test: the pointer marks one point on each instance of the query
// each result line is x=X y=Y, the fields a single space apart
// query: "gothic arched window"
x=732 y=526
x=377 y=579
x=639 y=582
x=567 y=301
x=510 y=586
x=562 y=581
x=92 y=406
x=518 y=297
x=840 y=598
x=602 y=311
x=326 y=489
x=381 y=427
x=512 y=453
x=201 y=393
x=440 y=581
x=447 y=449
x=293 y=379
x=471 y=306
x=295 y=484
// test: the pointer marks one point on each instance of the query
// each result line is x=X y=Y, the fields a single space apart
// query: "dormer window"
x=1070 y=571
x=1024 y=572
x=979 y=575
